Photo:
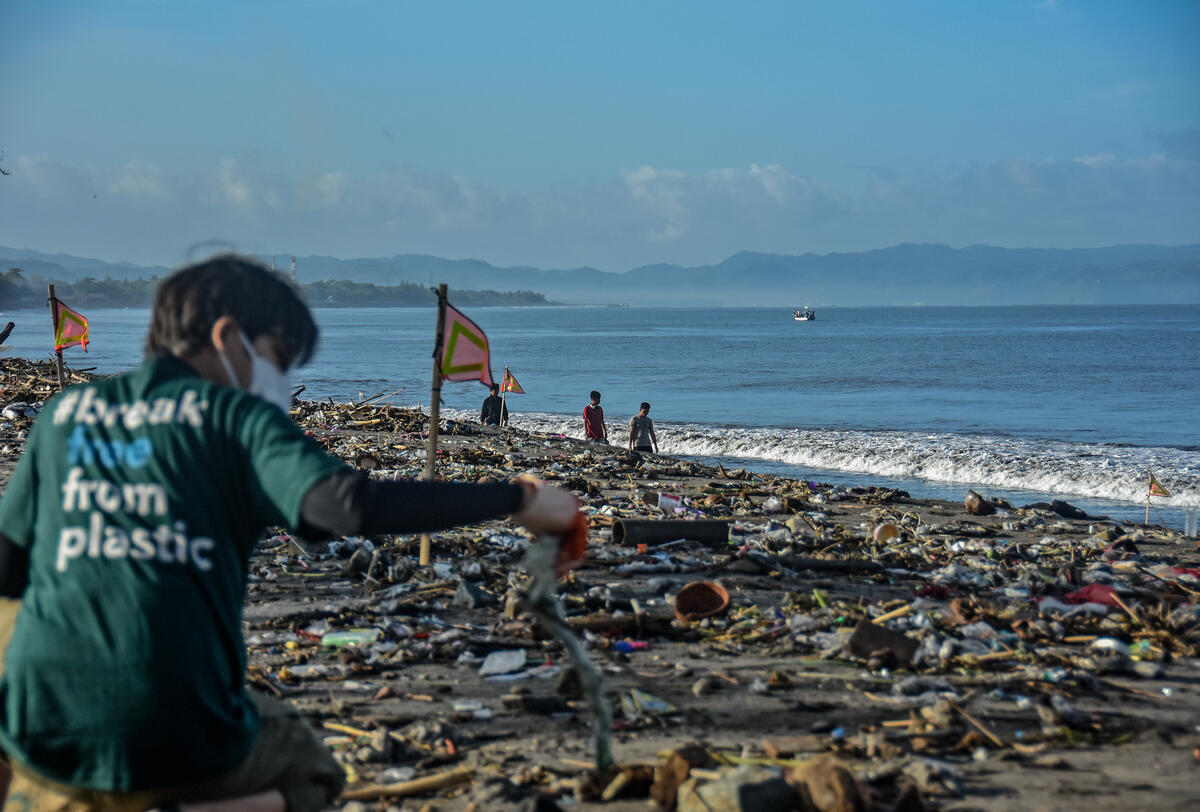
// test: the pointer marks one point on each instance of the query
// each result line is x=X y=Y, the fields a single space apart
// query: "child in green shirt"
x=126 y=531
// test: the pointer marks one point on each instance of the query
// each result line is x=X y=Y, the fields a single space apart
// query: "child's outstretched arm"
x=351 y=503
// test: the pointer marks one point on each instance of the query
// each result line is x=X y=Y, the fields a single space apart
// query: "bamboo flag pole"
x=1149 y=487
x=504 y=398
x=434 y=409
x=54 y=329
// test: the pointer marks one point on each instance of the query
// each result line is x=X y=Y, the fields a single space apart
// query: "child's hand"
x=546 y=510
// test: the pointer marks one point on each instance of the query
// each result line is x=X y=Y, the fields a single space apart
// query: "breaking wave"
x=1100 y=471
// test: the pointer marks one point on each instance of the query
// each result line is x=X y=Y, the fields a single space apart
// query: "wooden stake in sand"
x=434 y=410
x=70 y=328
x=58 y=353
x=460 y=353
x=1155 y=489
x=507 y=384
x=504 y=401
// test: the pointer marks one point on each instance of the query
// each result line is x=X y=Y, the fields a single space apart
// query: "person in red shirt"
x=593 y=420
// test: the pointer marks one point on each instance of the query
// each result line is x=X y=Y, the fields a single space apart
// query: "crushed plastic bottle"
x=350 y=637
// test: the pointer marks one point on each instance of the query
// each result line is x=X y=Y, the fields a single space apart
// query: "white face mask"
x=266 y=380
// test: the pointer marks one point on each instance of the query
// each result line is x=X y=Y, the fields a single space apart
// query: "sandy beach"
x=939 y=655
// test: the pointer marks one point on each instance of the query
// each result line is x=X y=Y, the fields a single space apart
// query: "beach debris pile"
x=854 y=645
x=26 y=381
x=24 y=386
x=764 y=643
x=372 y=413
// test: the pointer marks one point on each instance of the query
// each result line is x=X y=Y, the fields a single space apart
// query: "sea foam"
x=1100 y=471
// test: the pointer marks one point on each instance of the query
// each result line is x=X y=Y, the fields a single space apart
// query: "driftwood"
x=798 y=562
x=417 y=786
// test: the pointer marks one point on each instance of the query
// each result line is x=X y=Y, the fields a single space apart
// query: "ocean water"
x=1028 y=403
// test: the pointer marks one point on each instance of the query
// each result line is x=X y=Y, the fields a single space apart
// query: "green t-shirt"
x=140 y=499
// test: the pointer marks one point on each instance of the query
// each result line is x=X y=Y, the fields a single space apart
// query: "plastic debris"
x=917 y=643
x=503 y=662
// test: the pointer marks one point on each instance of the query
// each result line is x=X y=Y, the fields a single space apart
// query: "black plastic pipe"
x=631 y=532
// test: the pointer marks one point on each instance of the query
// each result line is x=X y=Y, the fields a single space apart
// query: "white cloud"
x=639 y=216
x=680 y=202
x=46 y=178
x=1022 y=173
x=231 y=185
x=139 y=180
x=777 y=182
x=661 y=194
x=1097 y=159
x=329 y=186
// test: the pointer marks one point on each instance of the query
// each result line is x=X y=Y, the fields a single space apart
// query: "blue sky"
x=607 y=134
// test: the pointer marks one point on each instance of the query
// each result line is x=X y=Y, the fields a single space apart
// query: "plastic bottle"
x=350 y=637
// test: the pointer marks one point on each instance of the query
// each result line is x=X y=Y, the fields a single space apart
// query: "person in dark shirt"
x=593 y=420
x=494 y=411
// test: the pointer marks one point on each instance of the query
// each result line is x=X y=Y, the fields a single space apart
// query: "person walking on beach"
x=495 y=410
x=593 y=420
x=641 y=431
x=125 y=537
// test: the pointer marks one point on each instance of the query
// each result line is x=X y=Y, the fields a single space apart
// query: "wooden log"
x=659 y=621
x=417 y=786
x=797 y=562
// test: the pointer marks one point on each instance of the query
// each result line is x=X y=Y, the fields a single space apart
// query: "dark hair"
x=495 y=388
x=645 y=406
x=595 y=395
x=190 y=301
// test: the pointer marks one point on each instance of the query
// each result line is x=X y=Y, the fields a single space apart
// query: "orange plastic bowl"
x=700 y=600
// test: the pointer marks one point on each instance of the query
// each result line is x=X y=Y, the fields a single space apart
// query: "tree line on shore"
x=18 y=289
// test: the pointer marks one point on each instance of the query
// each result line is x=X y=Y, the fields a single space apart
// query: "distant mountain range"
x=909 y=274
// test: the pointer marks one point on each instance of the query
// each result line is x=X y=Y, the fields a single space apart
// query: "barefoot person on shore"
x=593 y=420
x=641 y=431
x=125 y=534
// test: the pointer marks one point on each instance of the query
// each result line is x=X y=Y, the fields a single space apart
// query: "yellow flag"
x=509 y=384
x=1156 y=488
x=70 y=328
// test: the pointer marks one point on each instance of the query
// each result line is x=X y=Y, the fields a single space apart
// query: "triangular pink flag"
x=464 y=350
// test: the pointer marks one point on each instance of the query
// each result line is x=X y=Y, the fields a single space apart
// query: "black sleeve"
x=351 y=503
x=14 y=568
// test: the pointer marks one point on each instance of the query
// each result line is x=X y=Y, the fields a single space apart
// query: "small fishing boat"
x=807 y=314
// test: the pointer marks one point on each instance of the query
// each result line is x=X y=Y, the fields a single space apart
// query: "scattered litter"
x=902 y=641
